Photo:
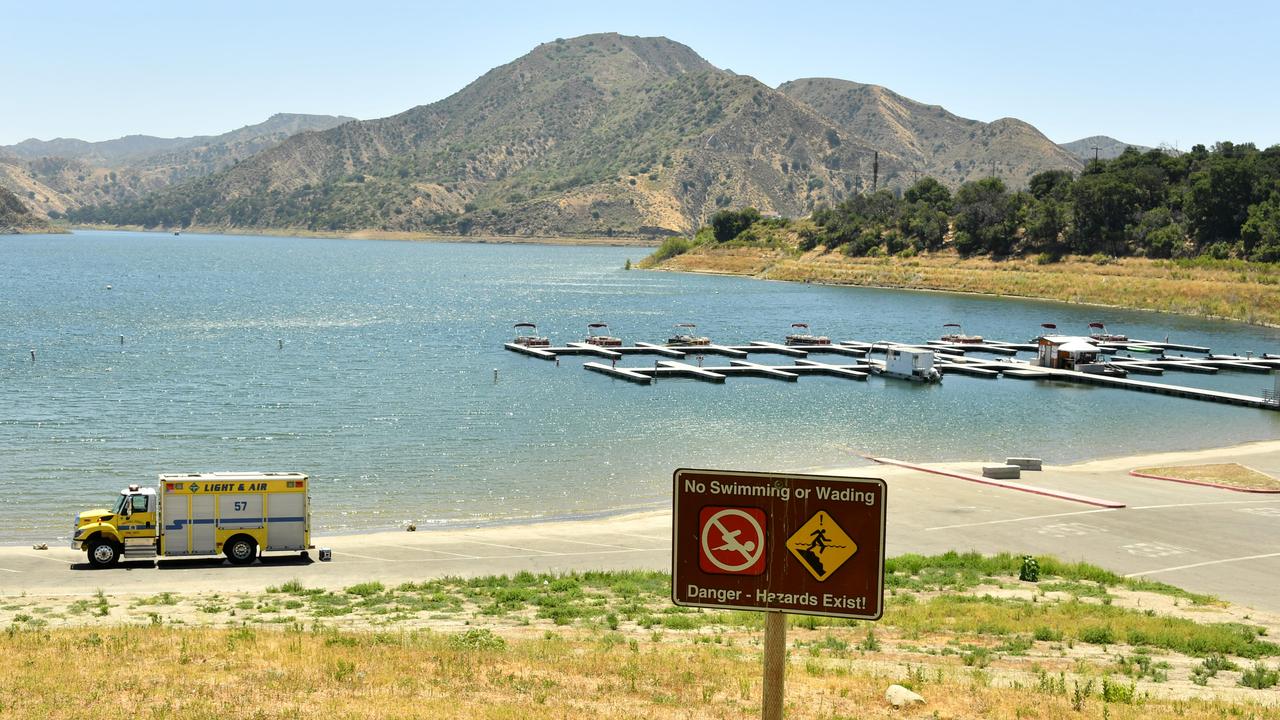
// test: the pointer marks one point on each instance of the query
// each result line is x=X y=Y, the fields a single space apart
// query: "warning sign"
x=810 y=544
x=732 y=540
x=821 y=545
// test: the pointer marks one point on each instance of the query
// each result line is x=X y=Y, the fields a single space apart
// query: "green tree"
x=985 y=218
x=728 y=224
x=1045 y=221
x=1055 y=184
x=930 y=192
x=1104 y=206
x=1260 y=234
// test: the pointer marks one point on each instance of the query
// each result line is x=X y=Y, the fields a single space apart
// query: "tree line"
x=1222 y=202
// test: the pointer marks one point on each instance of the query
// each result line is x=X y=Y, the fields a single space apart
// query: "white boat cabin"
x=910 y=363
x=1065 y=352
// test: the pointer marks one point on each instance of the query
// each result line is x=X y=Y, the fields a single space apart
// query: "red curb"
x=1003 y=484
x=1202 y=483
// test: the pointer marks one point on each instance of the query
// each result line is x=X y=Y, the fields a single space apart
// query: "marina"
x=380 y=376
x=1061 y=358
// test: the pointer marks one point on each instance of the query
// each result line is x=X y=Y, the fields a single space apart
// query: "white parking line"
x=1018 y=519
x=364 y=557
x=584 y=542
x=508 y=547
x=1202 y=564
x=427 y=549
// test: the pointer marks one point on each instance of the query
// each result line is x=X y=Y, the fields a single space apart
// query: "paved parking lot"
x=1203 y=539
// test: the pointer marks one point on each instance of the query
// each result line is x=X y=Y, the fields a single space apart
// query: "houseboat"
x=527 y=335
x=800 y=335
x=1064 y=352
x=597 y=335
x=908 y=363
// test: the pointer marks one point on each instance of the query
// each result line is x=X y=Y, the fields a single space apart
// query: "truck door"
x=139 y=527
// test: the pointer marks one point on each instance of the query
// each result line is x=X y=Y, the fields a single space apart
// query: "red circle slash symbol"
x=731 y=540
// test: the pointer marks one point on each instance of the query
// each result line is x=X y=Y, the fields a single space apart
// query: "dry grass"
x=1239 y=291
x=958 y=628
x=199 y=674
x=1231 y=474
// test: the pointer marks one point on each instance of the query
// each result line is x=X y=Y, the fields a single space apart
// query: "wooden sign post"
x=780 y=543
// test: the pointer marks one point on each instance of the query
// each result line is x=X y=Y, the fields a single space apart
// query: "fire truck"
x=236 y=514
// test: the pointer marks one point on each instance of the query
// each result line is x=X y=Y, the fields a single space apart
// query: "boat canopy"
x=524 y=325
x=1076 y=345
x=800 y=325
x=1049 y=326
x=597 y=325
x=951 y=325
x=686 y=325
x=1097 y=325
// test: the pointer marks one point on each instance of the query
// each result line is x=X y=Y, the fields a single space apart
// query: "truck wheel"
x=103 y=553
x=241 y=550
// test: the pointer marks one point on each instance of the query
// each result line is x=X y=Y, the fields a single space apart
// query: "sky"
x=1150 y=73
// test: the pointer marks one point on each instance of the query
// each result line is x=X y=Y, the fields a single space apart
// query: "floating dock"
x=679 y=362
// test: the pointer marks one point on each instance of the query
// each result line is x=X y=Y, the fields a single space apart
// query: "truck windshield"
x=118 y=509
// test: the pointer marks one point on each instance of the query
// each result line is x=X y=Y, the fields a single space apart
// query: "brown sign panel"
x=807 y=544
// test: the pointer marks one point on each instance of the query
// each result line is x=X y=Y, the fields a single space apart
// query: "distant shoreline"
x=1248 y=293
x=394 y=235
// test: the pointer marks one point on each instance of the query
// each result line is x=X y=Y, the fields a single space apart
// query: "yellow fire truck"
x=238 y=514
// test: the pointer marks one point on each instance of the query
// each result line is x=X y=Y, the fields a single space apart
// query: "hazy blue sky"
x=1144 y=72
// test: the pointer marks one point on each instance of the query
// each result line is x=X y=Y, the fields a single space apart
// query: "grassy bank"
x=960 y=629
x=1229 y=289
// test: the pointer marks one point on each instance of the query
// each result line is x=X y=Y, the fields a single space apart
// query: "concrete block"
x=1001 y=472
x=1024 y=463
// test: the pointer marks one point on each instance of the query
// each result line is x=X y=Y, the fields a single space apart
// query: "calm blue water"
x=384 y=390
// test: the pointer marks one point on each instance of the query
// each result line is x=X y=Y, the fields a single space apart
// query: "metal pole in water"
x=775 y=665
x=280 y=344
x=121 y=339
x=33 y=355
x=495 y=375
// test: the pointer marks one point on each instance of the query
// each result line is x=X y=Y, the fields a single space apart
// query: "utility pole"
x=875 y=171
x=993 y=168
x=1095 y=153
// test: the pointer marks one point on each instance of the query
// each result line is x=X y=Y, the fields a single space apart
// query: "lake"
x=371 y=366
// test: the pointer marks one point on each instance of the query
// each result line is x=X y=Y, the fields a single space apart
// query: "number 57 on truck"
x=237 y=514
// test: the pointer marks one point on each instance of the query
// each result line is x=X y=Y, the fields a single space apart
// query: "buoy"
x=108 y=287
x=121 y=339
x=33 y=356
x=495 y=374
x=280 y=344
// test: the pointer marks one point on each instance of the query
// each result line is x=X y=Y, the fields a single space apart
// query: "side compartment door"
x=240 y=511
x=287 y=521
x=202 y=525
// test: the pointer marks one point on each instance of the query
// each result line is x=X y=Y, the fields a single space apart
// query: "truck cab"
x=236 y=514
x=127 y=529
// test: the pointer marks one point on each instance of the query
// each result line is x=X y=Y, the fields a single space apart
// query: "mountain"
x=1108 y=147
x=931 y=140
x=15 y=217
x=598 y=134
x=66 y=173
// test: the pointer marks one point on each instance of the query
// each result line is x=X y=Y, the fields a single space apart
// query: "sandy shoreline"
x=603 y=520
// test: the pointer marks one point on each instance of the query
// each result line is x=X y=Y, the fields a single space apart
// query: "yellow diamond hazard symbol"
x=821 y=545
